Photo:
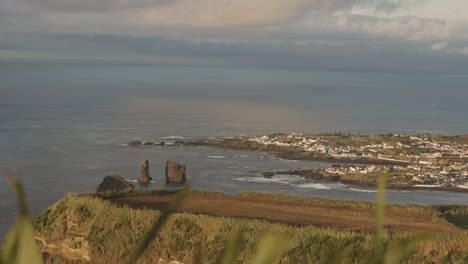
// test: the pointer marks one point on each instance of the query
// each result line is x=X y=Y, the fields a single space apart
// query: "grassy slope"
x=460 y=220
x=113 y=231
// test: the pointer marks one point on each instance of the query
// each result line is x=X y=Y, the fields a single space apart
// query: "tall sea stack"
x=175 y=172
x=144 y=172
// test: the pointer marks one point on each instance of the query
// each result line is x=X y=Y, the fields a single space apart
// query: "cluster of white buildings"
x=299 y=141
x=438 y=149
x=342 y=170
x=453 y=175
x=446 y=176
x=422 y=170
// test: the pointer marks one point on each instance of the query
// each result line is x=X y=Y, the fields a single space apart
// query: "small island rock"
x=113 y=182
x=268 y=175
x=175 y=172
x=144 y=172
x=135 y=143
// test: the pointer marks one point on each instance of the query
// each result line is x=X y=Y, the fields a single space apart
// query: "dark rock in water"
x=162 y=143
x=144 y=172
x=268 y=174
x=135 y=143
x=179 y=143
x=175 y=172
x=113 y=182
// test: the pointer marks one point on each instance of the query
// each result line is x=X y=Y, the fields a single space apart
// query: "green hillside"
x=89 y=229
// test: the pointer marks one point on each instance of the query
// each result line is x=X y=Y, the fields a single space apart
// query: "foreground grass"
x=113 y=232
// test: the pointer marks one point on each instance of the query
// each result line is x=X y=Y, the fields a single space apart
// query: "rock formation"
x=113 y=182
x=135 y=143
x=268 y=175
x=175 y=172
x=144 y=172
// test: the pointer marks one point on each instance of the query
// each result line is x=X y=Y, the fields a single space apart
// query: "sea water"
x=63 y=125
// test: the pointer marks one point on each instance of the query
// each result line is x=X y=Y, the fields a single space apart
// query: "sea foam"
x=216 y=157
x=314 y=186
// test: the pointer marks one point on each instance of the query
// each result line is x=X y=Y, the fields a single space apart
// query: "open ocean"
x=62 y=123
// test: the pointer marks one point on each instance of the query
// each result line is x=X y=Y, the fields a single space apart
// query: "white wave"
x=173 y=137
x=260 y=179
x=288 y=176
x=134 y=180
x=276 y=179
x=121 y=144
x=313 y=186
x=362 y=190
x=216 y=157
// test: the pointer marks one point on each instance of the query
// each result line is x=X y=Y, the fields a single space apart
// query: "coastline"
x=365 y=184
x=291 y=155
x=297 y=156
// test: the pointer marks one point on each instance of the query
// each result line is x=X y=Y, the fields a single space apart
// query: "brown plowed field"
x=294 y=212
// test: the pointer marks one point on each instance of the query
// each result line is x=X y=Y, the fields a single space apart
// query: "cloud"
x=464 y=51
x=306 y=34
x=459 y=51
x=391 y=6
x=206 y=13
x=439 y=46
x=73 y=6
x=405 y=28
x=226 y=19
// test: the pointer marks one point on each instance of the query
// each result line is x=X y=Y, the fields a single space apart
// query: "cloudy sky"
x=344 y=35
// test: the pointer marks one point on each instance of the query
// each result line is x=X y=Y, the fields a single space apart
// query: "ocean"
x=62 y=123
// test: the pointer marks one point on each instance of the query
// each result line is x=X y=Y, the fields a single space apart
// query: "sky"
x=396 y=36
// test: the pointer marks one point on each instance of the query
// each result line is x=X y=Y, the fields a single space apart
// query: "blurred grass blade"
x=156 y=227
x=341 y=253
x=269 y=250
x=200 y=256
x=230 y=253
x=399 y=250
x=379 y=217
x=20 y=245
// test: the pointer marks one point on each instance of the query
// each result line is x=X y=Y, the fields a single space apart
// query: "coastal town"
x=438 y=161
x=423 y=160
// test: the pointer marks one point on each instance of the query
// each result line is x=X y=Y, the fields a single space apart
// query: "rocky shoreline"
x=292 y=155
x=174 y=173
x=314 y=175
x=295 y=155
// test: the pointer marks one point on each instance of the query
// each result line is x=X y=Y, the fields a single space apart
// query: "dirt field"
x=316 y=213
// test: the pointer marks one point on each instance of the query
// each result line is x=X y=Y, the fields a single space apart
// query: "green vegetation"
x=20 y=246
x=114 y=231
x=91 y=229
x=460 y=220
